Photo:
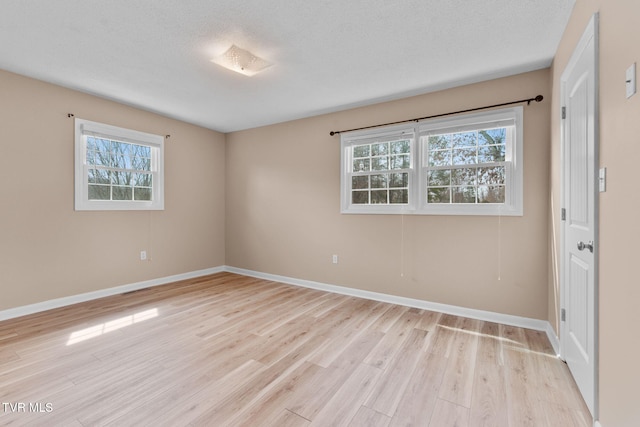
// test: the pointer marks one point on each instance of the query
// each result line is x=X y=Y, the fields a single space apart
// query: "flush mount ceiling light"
x=241 y=61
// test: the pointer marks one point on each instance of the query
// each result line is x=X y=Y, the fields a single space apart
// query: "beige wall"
x=50 y=251
x=619 y=292
x=283 y=212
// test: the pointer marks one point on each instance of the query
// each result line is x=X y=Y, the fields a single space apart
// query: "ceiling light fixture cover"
x=241 y=61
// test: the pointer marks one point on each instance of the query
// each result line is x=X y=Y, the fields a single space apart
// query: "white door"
x=580 y=247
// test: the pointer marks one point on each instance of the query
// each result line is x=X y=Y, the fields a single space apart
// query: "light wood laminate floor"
x=229 y=350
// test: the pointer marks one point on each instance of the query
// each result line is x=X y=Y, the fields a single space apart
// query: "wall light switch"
x=631 y=80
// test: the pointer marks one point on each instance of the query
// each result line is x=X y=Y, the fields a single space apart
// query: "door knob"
x=582 y=246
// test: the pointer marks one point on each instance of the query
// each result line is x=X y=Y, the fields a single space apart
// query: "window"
x=117 y=169
x=380 y=170
x=466 y=165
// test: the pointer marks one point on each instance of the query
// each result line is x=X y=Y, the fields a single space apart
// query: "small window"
x=378 y=171
x=117 y=169
x=466 y=165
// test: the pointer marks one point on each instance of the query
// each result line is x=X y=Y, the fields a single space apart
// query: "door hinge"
x=563 y=214
x=564 y=112
x=563 y=314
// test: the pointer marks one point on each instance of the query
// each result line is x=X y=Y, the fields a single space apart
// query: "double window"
x=467 y=165
x=117 y=169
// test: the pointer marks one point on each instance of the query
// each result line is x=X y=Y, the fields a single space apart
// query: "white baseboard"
x=553 y=338
x=74 y=299
x=506 y=319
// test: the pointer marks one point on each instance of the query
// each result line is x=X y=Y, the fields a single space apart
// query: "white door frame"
x=591 y=31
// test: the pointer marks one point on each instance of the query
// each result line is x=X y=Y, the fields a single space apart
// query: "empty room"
x=363 y=213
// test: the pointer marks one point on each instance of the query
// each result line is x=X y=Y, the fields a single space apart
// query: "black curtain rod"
x=528 y=101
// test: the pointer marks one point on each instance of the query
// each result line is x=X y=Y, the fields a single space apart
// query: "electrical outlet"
x=334 y=259
x=143 y=255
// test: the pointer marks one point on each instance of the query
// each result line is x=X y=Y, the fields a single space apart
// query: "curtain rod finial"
x=539 y=98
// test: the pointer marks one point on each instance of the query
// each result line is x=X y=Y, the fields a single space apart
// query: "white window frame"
x=381 y=135
x=418 y=204
x=84 y=128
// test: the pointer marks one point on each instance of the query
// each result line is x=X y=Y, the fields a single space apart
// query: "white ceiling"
x=329 y=55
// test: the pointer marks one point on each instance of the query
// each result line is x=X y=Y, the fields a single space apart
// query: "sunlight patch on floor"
x=103 y=328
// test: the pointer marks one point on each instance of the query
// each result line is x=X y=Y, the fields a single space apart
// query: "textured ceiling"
x=328 y=54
